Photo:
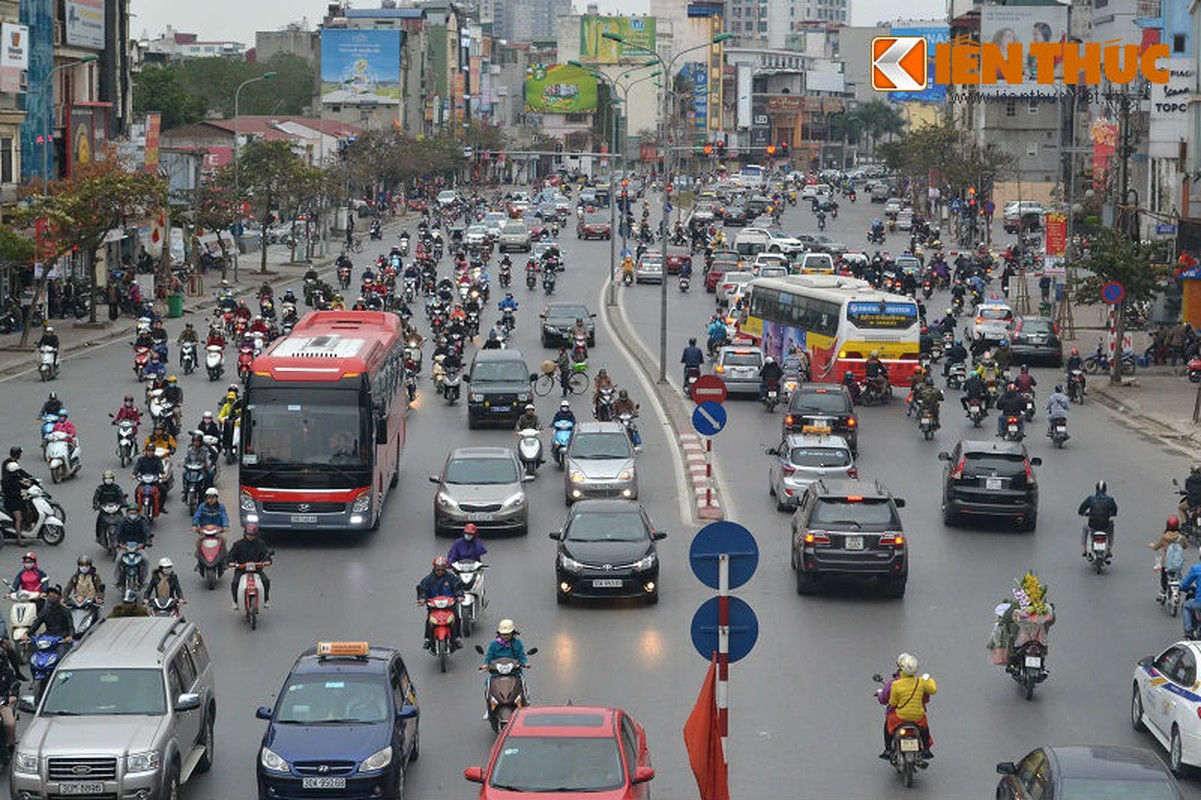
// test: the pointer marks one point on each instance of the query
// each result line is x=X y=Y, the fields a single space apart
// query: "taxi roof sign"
x=335 y=649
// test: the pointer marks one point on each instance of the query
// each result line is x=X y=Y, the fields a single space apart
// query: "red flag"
x=702 y=739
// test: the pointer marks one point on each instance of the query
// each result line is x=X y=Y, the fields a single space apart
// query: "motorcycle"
x=604 y=405
x=85 y=613
x=531 y=279
x=562 y=438
x=875 y=237
x=163 y=606
x=48 y=522
x=1172 y=599
x=1194 y=370
x=956 y=305
x=691 y=374
x=506 y=690
x=108 y=520
x=441 y=611
x=131 y=567
x=62 y=455
x=631 y=428
x=1029 y=398
x=245 y=359
x=548 y=282
x=195 y=481
x=1098 y=552
x=187 y=357
x=1059 y=431
x=871 y=395
x=451 y=386
x=344 y=277
x=505 y=277
x=20 y=618
x=685 y=283
x=1013 y=429
x=975 y=411
x=529 y=450
x=232 y=438
x=927 y=289
x=248 y=591
x=375 y=232
x=905 y=751
x=1027 y=666
x=956 y=375
x=141 y=357
x=148 y=495
x=210 y=555
x=771 y=396
x=1076 y=386
x=404 y=244
x=214 y=361
x=475 y=600
x=44 y=656
x=926 y=424
x=627 y=277
x=47 y=362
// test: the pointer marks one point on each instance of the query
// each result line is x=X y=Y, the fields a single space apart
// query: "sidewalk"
x=1156 y=401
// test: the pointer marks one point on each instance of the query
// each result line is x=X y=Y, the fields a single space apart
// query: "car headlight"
x=477 y=398
x=570 y=564
x=377 y=760
x=625 y=475
x=446 y=500
x=142 y=762
x=247 y=503
x=271 y=760
x=575 y=476
x=551 y=329
x=645 y=563
x=25 y=762
x=524 y=397
x=513 y=500
x=361 y=503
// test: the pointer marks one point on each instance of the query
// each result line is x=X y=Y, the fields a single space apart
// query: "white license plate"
x=323 y=783
x=822 y=422
x=502 y=409
x=1098 y=547
x=994 y=484
x=1013 y=428
x=909 y=745
x=81 y=788
x=480 y=516
x=1034 y=662
x=304 y=518
x=606 y=583
x=854 y=543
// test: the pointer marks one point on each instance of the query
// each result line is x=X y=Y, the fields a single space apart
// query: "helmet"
x=189 y=325
x=197 y=437
x=440 y=562
x=959 y=343
x=564 y=405
x=848 y=374
x=529 y=406
x=1012 y=387
x=622 y=393
x=1003 y=343
x=84 y=561
x=233 y=387
x=129 y=398
x=207 y=415
x=211 y=492
x=165 y=563
x=30 y=556
x=62 y=414
x=170 y=379
x=950 y=313
x=506 y=626
x=14 y=452
x=1195 y=468
x=1025 y=368
x=130 y=596
x=1059 y=388
x=1173 y=524
x=1075 y=351
x=107 y=476
x=875 y=354
x=929 y=379
x=1101 y=487
x=769 y=360
x=49 y=329
x=251 y=529
x=470 y=528
x=907 y=664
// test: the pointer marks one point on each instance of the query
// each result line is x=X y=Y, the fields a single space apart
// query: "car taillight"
x=853 y=472
x=719 y=368
x=893 y=540
x=1029 y=473
x=789 y=420
x=852 y=422
x=957 y=472
x=979 y=320
x=817 y=537
x=788 y=469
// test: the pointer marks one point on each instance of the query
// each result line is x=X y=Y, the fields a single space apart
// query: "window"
x=1032 y=150
x=1178 y=43
x=6 y=160
x=1011 y=108
x=629 y=743
x=187 y=669
x=1032 y=108
x=1185 y=673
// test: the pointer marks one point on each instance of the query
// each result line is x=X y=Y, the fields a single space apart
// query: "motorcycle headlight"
x=645 y=563
x=271 y=761
x=446 y=500
x=361 y=503
x=575 y=476
x=247 y=503
x=142 y=762
x=377 y=760
x=625 y=475
x=570 y=564
x=513 y=500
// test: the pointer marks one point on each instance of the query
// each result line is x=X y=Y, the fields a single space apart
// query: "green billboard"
x=637 y=33
x=559 y=89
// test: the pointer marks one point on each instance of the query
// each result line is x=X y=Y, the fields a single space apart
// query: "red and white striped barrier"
x=698 y=461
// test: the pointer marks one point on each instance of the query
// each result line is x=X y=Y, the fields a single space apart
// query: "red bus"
x=323 y=424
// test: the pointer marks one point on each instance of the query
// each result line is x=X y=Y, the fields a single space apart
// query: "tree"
x=161 y=89
x=216 y=209
x=272 y=178
x=951 y=153
x=879 y=119
x=1139 y=267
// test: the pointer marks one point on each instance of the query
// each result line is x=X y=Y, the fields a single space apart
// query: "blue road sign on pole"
x=709 y=418
x=1113 y=293
x=743 y=629
x=953 y=204
x=730 y=539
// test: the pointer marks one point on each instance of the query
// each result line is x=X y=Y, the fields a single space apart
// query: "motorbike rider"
x=1100 y=508
x=528 y=419
x=150 y=464
x=30 y=577
x=441 y=582
x=250 y=549
x=1057 y=407
x=85 y=582
x=164 y=583
x=929 y=398
x=215 y=337
x=1192 y=491
x=49 y=339
x=129 y=607
x=173 y=393
x=159 y=438
x=1002 y=355
x=208 y=426
x=852 y=386
x=796 y=362
x=52 y=406
x=10 y=690
x=155 y=369
x=65 y=425
x=200 y=453
x=627 y=267
x=1025 y=381
x=129 y=411
x=53 y=617
x=231 y=409
x=13 y=482
x=876 y=373
x=769 y=374
x=1171 y=536
x=956 y=354
x=134 y=528
x=564 y=413
x=717 y=333
x=211 y=512
x=508 y=304
x=188 y=335
x=159 y=334
x=624 y=404
x=467 y=547
x=107 y=492
x=693 y=357
x=1010 y=403
x=603 y=381
x=506 y=645
x=907 y=698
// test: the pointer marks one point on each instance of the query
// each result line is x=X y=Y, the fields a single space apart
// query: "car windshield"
x=500 y=372
x=596 y=219
x=742 y=359
x=606 y=526
x=515 y=229
x=295 y=427
x=101 y=692
x=478 y=230
x=1036 y=327
x=1112 y=789
x=1003 y=464
x=601 y=445
x=819 y=457
x=820 y=402
x=333 y=699
x=548 y=764
x=995 y=312
x=567 y=312
x=841 y=512
x=477 y=471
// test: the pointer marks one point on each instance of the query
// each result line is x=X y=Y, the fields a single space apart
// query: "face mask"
x=29 y=565
x=108 y=481
x=469 y=536
x=84 y=570
x=131 y=517
x=166 y=570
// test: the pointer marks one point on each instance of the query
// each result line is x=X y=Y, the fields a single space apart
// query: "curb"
x=1184 y=441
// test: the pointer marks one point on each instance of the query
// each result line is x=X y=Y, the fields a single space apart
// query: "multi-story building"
x=524 y=20
x=1167 y=137
x=173 y=45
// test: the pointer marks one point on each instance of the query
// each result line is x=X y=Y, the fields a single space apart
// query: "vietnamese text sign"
x=14 y=55
x=1055 y=242
x=360 y=67
x=638 y=34
x=559 y=89
x=85 y=23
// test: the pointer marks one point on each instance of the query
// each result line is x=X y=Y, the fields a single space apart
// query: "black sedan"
x=1087 y=773
x=607 y=550
x=990 y=479
x=558 y=321
x=1035 y=339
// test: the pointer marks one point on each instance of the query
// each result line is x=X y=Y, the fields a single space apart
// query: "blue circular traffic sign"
x=1113 y=293
x=723 y=538
x=743 y=629
x=709 y=418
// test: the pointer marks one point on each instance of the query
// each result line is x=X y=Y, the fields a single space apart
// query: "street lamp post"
x=48 y=117
x=666 y=196
x=237 y=136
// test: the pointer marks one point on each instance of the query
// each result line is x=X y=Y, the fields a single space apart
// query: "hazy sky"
x=239 y=19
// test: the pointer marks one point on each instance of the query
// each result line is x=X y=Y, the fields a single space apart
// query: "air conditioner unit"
x=24 y=84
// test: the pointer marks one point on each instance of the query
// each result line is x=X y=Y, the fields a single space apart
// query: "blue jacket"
x=463 y=550
x=498 y=648
x=448 y=585
x=692 y=356
x=210 y=516
x=1190 y=580
x=508 y=302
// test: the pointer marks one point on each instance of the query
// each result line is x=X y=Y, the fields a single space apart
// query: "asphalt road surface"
x=803 y=720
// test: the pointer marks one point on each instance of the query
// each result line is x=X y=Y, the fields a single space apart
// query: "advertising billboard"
x=85 y=23
x=360 y=67
x=1025 y=25
x=14 y=55
x=697 y=73
x=559 y=89
x=934 y=92
x=638 y=34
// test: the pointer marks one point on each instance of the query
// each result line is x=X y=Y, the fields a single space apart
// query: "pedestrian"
x=114 y=301
x=1176 y=342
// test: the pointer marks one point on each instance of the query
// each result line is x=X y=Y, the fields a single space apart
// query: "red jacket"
x=130 y=413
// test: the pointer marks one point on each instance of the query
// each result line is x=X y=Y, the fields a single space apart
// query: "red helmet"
x=1075 y=351
x=1173 y=524
x=440 y=562
x=30 y=556
x=470 y=528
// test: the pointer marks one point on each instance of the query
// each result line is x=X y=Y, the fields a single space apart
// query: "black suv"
x=558 y=322
x=823 y=405
x=847 y=526
x=498 y=387
x=990 y=479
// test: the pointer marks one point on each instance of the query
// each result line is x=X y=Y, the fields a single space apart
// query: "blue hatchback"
x=344 y=726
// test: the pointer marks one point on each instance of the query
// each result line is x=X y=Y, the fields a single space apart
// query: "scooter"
x=627 y=421
x=548 y=282
x=475 y=599
x=245 y=359
x=85 y=613
x=1059 y=431
x=956 y=375
x=685 y=283
x=164 y=606
x=131 y=567
x=529 y=450
x=506 y=690
x=451 y=386
x=771 y=396
x=210 y=555
x=1172 y=599
x=627 y=278
x=604 y=405
x=975 y=411
x=47 y=362
x=195 y=481
x=1028 y=666
x=248 y=591
x=531 y=279
x=49 y=519
x=562 y=438
x=21 y=615
x=108 y=522
x=148 y=495
x=1098 y=551
x=1029 y=398
x=905 y=752
x=126 y=441
x=1013 y=428
x=926 y=424
x=441 y=611
x=141 y=357
x=62 y=455
x=214 y=361
x=43 y=659
x=187 y=357
x=1194 y=370
x=690 y=377
x=1076 y=386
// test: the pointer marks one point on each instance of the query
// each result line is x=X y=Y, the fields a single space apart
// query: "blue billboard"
x=360 y=66
x=697 y=73
x=934 y=92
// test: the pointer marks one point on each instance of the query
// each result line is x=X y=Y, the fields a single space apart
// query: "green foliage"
x=1110 y=256
x=160 y=89
x=873 y=120
x=15 y=249
x=949 y=151
x=272 y=177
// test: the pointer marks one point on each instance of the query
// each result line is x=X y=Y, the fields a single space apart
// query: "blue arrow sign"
x=727 y=538
x=743 y=627
x=669 y=208
x=709 y=418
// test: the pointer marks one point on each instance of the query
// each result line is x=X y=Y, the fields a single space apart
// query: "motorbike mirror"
x=555 y=535
x=188 y=701
x=944 y=456
x=532 y=651
x=899 y=502
x=1007 y=768
x=1036 y=461
x=408 y=712
x=474 y=774
x=435 y=479
x=479 y=649
x=263 y=712
x=659 y=536
x=771 y=451
x=1174 y=481
x=27 y=703
x=643 y=775
x=878 y=678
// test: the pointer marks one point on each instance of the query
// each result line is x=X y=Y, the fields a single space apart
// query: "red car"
x=561 y=752
x=677 y=259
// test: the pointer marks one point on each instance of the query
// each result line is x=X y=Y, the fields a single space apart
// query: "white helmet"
x=907 y=664
x=505 y=626
x=165 y=563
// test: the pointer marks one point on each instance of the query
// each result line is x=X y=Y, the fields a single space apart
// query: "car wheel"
x=171 y=784
x=1030 y=524
x=949 y=518
x=415 y=751
x=805 y=583
x=560 y=598
x=1136 y=710
x=1176 y=754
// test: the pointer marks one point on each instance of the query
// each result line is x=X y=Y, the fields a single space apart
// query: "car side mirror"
x=474 y=774
x=1007 y=768
x=659 y=536
x=899 y=502
x=593 y=315
x=27 y=703
x=263 y=712
x=944 y=456
x=1036 y=461
x=466 y=379
x=408 y=712
x=188 y=701
x=555 y=535
x=533 y=377
x=643 y=775
x=435 y=479
x=528 y=478
x=771 y=451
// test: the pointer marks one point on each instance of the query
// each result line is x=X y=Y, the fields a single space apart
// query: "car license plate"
x=822 y=422
x=81 y=788
x=994 y=484
x=502 y=409
x=480 y=516
x=854 y=543
x=606 y=583
x=1034 y=662
x=909 y=746
x=299 y=519
x=323 y=783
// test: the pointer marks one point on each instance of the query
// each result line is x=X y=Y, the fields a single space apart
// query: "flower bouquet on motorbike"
x=1022 y=618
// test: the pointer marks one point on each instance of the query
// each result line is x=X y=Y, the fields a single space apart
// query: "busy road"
x=803 y=720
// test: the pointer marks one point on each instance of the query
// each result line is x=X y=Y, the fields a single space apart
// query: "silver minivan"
x=128 y=713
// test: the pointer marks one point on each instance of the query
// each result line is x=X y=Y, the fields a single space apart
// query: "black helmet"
x=14 y=452
x=1101 y=487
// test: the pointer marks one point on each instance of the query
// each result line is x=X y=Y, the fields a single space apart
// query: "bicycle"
x=355 y=245
x=577 y=383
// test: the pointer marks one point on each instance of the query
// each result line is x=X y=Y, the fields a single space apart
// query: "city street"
x=804 y=722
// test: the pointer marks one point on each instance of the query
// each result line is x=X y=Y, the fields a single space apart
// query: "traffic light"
x=721 y=149
x=708 y=149
x=771 y=149
x=783 y=150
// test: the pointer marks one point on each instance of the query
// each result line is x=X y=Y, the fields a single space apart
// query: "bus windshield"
x=290 y=427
